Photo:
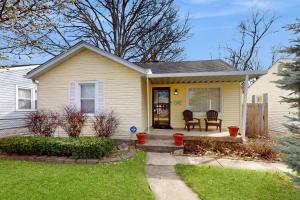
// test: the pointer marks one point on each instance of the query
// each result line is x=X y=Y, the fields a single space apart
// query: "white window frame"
x=79 y=90
x=33 y=106
x=208 y=87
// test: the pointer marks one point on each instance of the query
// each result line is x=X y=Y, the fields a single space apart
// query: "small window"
x=87 y=97
x=259 y=99
x=253 y=98
x=25 y=99
x=204 y=99
x=265 y=97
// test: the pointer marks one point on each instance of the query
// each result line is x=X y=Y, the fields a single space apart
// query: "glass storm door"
x=161 y=107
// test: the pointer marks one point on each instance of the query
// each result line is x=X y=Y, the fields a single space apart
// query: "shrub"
x=42 y=122
x=73 y=121
x=81 y=147
x=105 y=124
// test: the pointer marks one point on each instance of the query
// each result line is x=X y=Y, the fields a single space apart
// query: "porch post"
x=244 y=118
x=148 y=107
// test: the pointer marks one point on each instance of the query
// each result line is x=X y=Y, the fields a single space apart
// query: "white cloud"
x=199 y=9
x=256 y=4
x=220 y=13
x=201 y=2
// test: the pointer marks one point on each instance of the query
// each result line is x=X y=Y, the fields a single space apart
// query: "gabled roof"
x=74 y=50
x=188 y=66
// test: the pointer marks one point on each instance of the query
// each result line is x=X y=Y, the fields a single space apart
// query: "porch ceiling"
x=204 y=77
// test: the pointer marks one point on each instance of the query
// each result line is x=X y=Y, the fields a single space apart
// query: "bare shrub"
x=72 y=121
x=42 y=123
x=105 y=124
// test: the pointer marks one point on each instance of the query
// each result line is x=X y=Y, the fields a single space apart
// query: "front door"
x=161 y=107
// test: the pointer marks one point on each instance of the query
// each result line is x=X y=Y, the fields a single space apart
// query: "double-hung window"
x=87 y=97
x=26 y=99
x=204 y=99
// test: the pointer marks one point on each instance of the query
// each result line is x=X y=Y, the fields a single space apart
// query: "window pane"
x=24 y=93
x=35 y=99
x=88 y=105
x=204 y=99
x=88 y=91
x=24 y=104
x=215 y=98
x=198 y=99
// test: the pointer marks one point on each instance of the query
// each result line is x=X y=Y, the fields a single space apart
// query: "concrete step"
x=159 y=137
x=161 y=146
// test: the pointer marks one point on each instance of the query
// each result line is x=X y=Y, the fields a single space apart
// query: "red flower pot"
x=233 y=131
x=178 y=139
x=141 y=138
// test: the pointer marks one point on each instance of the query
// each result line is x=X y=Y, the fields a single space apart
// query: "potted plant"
x=233 y=131
x=178 y=139
x=141 y=137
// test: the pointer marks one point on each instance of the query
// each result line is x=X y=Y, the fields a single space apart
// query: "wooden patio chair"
x=212 y=120
x=190 y=120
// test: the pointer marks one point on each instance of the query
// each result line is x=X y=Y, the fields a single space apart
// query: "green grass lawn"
x=216 y=183
x=33 y=180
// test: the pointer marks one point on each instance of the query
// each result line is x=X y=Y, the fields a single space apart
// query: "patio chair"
x=190 y=120
x=212 y=120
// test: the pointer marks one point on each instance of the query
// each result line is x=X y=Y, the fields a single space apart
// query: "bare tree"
x=137 y=30
x=22 y=24
x=252 y=31
x=13 y=10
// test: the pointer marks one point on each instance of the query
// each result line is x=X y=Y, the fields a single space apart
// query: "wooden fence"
x=257 y=120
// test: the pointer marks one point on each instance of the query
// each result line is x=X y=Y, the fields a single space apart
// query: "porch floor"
x=195 y=134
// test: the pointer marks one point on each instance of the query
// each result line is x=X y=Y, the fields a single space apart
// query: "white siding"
x=277 y=110
x=9 y=117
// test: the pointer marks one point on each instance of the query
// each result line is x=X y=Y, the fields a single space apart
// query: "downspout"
x=244 y=119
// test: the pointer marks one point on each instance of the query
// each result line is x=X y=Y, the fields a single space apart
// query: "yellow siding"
x=122 y=87
x=231 y=102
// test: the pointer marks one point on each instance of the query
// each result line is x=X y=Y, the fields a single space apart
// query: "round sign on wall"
x=133 y=129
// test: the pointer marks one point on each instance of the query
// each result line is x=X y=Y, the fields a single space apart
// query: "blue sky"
x=213 y=25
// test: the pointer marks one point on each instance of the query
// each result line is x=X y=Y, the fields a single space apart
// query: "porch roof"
x=200 y=77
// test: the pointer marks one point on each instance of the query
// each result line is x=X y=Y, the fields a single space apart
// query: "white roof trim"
x=76 y=48
x=207 y=74
x=7 y=69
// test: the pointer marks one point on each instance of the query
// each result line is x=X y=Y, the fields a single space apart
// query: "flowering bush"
x=42 y=123
x=72 y=121
x=105 y=124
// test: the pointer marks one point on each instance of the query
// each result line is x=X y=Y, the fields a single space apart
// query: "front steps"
x=160 y=145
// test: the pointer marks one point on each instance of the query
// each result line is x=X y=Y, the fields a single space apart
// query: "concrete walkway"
x=166 y=184
x=168 y=159
x=163 y=180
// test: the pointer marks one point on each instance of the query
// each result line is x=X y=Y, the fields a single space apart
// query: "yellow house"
x=142 y=95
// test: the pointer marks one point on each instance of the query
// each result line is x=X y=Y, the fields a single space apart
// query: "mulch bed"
x=261 y=148
x=115 y=156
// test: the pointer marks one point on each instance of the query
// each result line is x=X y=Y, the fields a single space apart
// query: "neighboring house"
x=17 y=98
x=264 y=90
x=95 y=81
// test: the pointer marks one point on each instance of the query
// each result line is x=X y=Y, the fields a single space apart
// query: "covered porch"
x=228 y=101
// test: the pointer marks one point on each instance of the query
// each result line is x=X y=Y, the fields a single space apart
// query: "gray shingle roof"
x=187 y=66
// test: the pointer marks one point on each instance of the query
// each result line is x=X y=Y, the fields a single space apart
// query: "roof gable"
x=73 y=51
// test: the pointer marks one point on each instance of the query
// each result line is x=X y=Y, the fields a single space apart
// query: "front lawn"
x=34 y=180
x=216 y=183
